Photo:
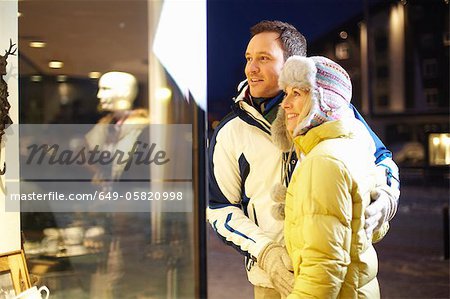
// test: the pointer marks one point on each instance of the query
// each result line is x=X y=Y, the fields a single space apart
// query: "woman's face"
x=293 y=104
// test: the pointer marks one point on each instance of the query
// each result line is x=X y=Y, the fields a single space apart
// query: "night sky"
x=229 y=22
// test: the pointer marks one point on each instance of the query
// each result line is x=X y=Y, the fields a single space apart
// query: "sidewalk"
x=411 y=263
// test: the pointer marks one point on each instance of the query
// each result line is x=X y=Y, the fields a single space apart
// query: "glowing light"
x=54 y=64
x=36 y=78
x=446 y=140
x=61 y=78
x=187 y=68
x=163 y=94
x=343 y=34
x=37 y=44
x=436 y=141
x=94 y=75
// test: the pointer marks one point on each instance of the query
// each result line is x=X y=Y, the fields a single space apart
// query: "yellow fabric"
x=325 y=203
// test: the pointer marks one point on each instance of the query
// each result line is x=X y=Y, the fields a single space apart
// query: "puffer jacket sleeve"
x=225 y=211
x=323 y=193
x=384 y=161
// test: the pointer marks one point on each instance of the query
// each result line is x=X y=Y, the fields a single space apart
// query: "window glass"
x=95 y=78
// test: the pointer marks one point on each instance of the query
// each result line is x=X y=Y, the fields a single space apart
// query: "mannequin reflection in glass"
x=129 y=233
x=117 y=92
x=122 y=125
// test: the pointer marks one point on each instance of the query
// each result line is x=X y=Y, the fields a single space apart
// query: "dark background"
x=229 y=25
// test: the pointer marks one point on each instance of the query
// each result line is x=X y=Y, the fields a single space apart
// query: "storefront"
x=104 y=188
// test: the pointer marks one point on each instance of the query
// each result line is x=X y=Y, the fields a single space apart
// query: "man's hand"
x=382 y=209
x=275 y=260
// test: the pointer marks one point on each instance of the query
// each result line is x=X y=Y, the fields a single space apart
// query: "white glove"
x=382 y=209
x=275 y=260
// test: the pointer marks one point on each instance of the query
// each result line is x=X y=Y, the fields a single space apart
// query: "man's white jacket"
x=244 y=165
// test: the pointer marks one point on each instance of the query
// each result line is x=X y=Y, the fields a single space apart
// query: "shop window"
x=439 y=149
x=116 y=78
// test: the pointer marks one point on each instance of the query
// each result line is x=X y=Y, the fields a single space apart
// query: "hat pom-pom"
x=279 y=133
x=278 y=211
x=278 y=195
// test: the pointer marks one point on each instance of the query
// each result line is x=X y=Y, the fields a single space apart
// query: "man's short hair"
x=291 y=40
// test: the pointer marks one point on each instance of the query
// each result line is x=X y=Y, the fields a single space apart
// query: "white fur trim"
x=279 y=133
x=298 y=71
x=278 y=193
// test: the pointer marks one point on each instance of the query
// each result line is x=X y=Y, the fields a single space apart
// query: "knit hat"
x=329 y=84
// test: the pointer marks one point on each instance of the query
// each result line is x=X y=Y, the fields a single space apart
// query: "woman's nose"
x=285 y=104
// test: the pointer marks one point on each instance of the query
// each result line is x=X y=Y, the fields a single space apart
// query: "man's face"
x=264 y=63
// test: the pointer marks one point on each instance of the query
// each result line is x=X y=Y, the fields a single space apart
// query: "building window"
x=430 y=68
x=439 y=149
x=342 y=51
x=382 y=71
x=431 y=97
x=381 y=43
x=383 y=100
x=427 y=41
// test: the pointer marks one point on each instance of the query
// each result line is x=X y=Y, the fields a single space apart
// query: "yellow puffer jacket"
x=325 y=203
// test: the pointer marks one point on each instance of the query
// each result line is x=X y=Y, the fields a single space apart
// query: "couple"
x=343 y=188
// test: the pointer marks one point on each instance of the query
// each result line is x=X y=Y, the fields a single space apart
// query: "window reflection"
x=110 y=254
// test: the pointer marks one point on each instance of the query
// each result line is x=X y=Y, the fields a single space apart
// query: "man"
x=244 y=165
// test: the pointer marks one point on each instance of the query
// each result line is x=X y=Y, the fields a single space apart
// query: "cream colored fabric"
x=382 y=209
x=275 y=261
x=131 y=125
x=266 y=293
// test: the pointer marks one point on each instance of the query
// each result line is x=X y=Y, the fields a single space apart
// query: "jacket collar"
x=329 y=130
x=251 y=114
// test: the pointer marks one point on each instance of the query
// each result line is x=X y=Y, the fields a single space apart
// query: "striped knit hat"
x=330 y=86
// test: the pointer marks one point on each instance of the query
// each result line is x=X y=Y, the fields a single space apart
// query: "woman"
x=330 y=188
